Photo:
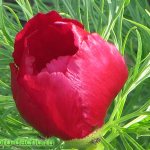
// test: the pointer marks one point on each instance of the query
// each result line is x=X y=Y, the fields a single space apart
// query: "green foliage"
x=123 y=22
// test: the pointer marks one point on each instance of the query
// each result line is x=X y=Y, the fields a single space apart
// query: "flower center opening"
x=50 y=43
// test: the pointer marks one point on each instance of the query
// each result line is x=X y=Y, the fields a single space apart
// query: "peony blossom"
x=64 y=78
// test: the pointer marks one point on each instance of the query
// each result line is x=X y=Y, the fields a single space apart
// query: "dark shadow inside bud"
x=50 y=43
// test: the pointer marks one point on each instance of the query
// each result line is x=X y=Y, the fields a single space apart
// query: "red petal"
x=96 y=68
x=40 y=21
x=40 y=100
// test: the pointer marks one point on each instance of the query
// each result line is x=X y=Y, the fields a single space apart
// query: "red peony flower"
x=64 y=78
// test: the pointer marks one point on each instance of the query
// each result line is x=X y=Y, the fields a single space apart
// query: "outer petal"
x=40 y=100
x=32 y=111
x=99 y=72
